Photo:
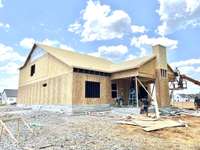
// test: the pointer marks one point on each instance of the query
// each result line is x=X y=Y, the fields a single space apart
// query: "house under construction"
x=53 y=76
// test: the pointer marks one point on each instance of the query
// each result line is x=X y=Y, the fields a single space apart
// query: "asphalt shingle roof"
x=10 y=92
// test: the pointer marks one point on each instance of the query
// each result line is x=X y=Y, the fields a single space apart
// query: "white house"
x=9 y=96
x=185 y=98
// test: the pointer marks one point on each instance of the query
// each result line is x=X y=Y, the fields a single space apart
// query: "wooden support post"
x=136 y=92
x=1 y=132
x=155 y=102
x=8 y=131
x=18 y=129
x=152 y=89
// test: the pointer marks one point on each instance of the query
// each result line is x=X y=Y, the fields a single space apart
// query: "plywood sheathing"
x=78 y=94
x=162 y=87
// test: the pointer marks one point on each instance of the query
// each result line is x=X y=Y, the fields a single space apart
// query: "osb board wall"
x=123 y=86
x=57 y=91
x=162 y=90
x=46 y=67
x=161 y=58
x=78 y=96
x=148 y=69
x=124 y=74
x=170 y=74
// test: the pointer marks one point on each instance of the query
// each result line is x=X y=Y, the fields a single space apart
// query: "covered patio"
x=133 y=89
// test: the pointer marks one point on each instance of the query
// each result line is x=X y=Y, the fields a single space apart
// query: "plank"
x=164 y=124
x=154 y=125
x=8 y=131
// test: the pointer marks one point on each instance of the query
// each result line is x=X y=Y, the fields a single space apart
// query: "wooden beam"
x=152 y=89
x=1 y=132
x=155 y=102
x=136 y=92
x=8 y=131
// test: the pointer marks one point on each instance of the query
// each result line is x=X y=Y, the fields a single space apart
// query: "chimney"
x=162 y=87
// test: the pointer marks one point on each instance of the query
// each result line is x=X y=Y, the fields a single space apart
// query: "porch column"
x=136 y=91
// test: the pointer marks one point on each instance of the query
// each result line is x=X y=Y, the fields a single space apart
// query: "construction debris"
x=59 y=131
x=170 y=111
x=5 y=127
x=152 y=125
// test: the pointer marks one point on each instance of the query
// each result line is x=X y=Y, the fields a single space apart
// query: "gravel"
x=93 y=131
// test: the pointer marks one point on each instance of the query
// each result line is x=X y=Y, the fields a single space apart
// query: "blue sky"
x=117 y=30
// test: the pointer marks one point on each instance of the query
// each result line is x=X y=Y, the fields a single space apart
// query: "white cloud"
x=50 y=42
x=28 y=43
x=10 y=68
x=136 y=28
x=188 y=62
x=178 y=14
x=130 y=57
x=75 y=28
x=7 y=53
x=1 y=4
x=4 y=25
x=99 y=22
x=9 y=82
x=145 y=40
x=111 y=52
x=10 y=60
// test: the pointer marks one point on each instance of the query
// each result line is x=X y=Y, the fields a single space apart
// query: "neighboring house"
x=184 y=98
x=9 y=96
x=53 y=76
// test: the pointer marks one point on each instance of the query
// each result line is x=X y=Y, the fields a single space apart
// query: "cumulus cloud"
x=10 y=68
x=9 y=82
x=130 y=57
x=188 y=62
x=177 y=15
x=28 y=43
x=138 y=29
x=99 y=22
x=145 y=40
x=10 y=61
x=189 y=66
x=1 y=4
x=4 y=25
x=7 y=53
x=111 y=52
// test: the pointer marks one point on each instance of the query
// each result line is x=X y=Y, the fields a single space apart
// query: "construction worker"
x=197 y=103
x=145 y=105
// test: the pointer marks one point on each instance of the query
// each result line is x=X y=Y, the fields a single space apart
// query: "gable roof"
x=84 y=61
x=10 y=92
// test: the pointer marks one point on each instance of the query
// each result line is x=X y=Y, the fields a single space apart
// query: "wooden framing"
x=154 y=100
x=65 y=86
x=8 y=131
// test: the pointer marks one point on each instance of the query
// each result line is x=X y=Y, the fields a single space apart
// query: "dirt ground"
x=96 y=131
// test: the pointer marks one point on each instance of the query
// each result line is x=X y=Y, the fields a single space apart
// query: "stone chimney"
x=162 y=87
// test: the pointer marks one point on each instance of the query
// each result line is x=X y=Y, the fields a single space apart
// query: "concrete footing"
x=69 y=109
x=126 y=110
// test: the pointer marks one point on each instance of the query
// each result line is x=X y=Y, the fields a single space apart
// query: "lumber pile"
x=153 y=124
x=4 y=127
